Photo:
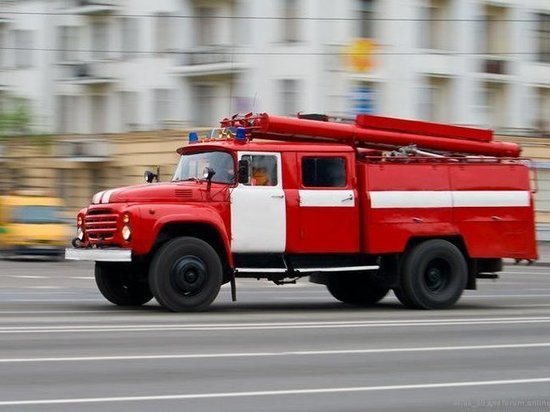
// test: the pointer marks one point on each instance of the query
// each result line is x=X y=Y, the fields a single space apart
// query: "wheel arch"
x=456 y=240
x=205 y=231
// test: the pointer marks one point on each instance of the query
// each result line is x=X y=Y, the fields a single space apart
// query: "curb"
x=543 y=264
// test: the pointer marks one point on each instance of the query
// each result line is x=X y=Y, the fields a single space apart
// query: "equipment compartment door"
x=258 y=216
x=328 y=204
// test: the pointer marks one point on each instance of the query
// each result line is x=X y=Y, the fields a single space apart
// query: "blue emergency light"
x=241 y=134
x=193 y=137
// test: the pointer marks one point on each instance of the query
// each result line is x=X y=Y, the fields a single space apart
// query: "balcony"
x=207 y=61
x=495 y=67
x=93 y=8
x=84 y=150
x=89 y=73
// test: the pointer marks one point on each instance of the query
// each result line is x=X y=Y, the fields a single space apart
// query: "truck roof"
x=265 y=146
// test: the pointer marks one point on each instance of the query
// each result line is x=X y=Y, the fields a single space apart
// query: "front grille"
x=100 y=224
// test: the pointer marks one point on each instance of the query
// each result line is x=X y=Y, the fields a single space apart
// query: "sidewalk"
x=544 y=254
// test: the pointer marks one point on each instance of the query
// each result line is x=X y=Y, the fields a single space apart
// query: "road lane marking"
x=272 y=326
x=277 y=354
x=312 y=391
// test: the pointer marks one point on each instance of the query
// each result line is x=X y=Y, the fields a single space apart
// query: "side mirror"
x=150 y=176
x=244 y=171
x=208 y=173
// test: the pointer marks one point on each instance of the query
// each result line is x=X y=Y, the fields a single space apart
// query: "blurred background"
x=92 y=93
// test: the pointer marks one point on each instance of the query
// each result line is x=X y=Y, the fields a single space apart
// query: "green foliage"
x=16 y=120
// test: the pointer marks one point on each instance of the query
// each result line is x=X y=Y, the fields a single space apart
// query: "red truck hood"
x=152 y=192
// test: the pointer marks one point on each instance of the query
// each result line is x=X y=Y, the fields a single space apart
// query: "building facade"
x=89 y=69
x=98 y=66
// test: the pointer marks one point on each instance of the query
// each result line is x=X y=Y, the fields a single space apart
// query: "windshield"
x=191 y=167
x=36 y=214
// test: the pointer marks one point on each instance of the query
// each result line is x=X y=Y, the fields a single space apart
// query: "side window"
x=324 y=172
x=263 y=170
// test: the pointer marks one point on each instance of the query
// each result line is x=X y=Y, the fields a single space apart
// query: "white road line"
x=271 y=326
x=312 y=391
x=274 y=354
x=500 y=296
x=44 y=287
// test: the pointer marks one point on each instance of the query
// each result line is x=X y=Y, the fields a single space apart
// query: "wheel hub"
x=188 y=274
x=437 y=276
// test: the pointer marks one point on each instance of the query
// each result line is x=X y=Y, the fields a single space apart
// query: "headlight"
x=79 y=233
x=126 y=232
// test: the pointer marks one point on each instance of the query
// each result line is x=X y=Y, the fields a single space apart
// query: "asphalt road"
x=279 y=348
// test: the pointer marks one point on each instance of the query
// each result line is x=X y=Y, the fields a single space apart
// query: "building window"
x=162 y=108
x=434 y=25
x=3 y=62
x=435 y=100
x=290 y=21
x=129 y=110
x=66 y=112
x=130 y=36
x=494 y=105
x=99 y=114
x=542 y=120
x=205 y=26
x=67 y=43
x=100 y=40
x=366 y=23
x=544 y=38
x=496 y=30
x=324 y=172
x=289 y=94
x=204 y=98
x=23 y=48
x=163 y=32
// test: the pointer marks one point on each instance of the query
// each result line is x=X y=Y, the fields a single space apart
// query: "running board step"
x=297 y=271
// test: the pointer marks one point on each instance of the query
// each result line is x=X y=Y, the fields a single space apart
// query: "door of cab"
x=258 y=217
x=328 y=204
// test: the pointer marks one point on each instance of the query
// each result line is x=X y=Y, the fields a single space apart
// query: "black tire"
x=403 y=298
x=186 y=275
x=355 y=288
x=433 y=275
x=122 y=284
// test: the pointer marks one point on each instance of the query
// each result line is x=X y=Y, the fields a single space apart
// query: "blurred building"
x=89 y=69
x=112 y=66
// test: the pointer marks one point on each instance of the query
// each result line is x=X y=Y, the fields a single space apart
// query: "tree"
x=16 y=119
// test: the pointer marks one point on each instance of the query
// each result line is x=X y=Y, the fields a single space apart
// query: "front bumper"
x=99 y=255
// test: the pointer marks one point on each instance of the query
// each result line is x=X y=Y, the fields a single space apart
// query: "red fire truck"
x=364 y=207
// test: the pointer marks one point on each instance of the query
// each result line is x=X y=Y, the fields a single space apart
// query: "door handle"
x=417 y=220
x=350 y=197
x=497 y=218
x=278 y=196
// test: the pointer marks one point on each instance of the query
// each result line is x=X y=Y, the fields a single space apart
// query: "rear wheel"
x=433 y=275
x=186 y=275
x=122 y=284
x=355 y=288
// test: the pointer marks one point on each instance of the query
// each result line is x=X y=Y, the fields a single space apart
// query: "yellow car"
x=32 y=226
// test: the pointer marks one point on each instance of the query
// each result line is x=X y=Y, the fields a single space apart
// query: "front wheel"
x=433 y=275
x=122 y=284
x=355 y=288
x=186 y=275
